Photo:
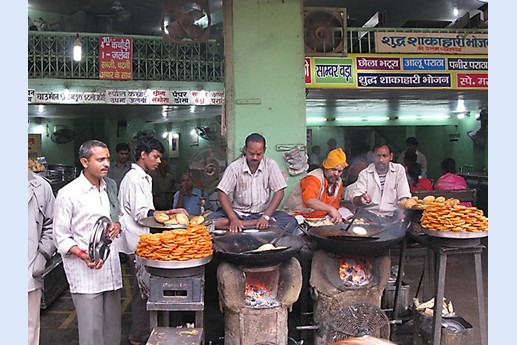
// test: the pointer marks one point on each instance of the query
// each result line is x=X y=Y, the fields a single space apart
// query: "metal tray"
x=455 y=234
x=173 y=264
x=152 y=223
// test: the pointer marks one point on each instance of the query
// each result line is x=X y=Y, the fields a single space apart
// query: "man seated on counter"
x=251 y=179
x=381 y=185
x=319 y=193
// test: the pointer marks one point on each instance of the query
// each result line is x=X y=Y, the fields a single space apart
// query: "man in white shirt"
x=94 y=285
x=382 y=184
x=251 y=179
x=136 y=201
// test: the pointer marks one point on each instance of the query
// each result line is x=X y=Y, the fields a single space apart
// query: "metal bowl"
x=173 y=264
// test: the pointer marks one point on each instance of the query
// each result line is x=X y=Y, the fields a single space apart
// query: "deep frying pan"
x=386 y=237
x=230 y=248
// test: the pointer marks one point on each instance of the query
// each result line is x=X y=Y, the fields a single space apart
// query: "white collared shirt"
x=77 y=208
x=396 y=187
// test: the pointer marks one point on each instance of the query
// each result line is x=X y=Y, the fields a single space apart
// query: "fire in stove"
x=347 y=295
x=256 y=301
x=355 y=272
x=260 y=291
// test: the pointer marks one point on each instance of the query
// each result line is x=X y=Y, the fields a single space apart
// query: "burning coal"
x=355 y=272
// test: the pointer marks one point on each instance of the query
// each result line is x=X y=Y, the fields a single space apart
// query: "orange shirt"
x=310 y=189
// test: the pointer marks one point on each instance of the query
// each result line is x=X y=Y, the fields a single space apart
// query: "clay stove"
x=256 y=301
x=347 y=292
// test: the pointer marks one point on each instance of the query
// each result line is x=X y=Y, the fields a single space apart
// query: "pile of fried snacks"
x=456 y=218
x=191 y=243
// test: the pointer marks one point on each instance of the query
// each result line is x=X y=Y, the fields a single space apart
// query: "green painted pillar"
x=264 y=70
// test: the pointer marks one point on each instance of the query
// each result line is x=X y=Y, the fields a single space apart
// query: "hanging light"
x=78 y=47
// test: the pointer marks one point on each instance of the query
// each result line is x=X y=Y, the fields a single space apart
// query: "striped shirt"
x=251 y=192
x=77 y=208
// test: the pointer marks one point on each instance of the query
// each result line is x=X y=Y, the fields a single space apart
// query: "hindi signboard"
x=115 y=58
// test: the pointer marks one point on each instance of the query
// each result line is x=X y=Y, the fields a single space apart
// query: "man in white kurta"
x=382 y=184
x=94 y=285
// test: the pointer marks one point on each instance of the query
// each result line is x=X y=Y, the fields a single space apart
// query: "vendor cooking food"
x=382 y=184
x=319 y=193
x=251 y=179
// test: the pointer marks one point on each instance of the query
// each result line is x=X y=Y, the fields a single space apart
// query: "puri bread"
x=171 y=221
x=410 y=203
x=182 y=219
x=161 y=217
x=197 y=220
x=359 y=231
x=428 y=199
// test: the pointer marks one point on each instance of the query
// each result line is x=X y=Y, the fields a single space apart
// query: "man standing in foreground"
x=382 y=184
x=251 y=179
x=136 y=201
x=94 y=285
x=41 y=246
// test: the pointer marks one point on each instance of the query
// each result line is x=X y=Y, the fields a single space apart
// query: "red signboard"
x=472 y=80
x=308 y=77
x=115 y=58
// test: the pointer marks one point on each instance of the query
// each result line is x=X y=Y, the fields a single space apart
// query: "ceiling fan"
x=120 y=13
x=185 y=21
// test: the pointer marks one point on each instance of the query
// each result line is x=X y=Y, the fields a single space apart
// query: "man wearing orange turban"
x=322 y=188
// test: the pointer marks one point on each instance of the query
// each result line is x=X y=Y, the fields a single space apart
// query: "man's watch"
x=266 y=217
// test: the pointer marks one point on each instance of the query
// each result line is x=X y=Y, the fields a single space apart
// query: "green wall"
x=264 y=68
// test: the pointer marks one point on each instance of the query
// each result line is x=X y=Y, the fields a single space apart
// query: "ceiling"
x=142 y=17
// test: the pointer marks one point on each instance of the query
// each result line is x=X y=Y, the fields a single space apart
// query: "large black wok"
x=230 y=248
x=333 y=239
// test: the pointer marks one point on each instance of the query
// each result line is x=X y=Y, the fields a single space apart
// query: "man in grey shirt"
x=121 y=166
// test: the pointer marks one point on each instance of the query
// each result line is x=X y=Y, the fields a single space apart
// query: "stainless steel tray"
x=152 y=223
x=173 y=264
x=455 y=234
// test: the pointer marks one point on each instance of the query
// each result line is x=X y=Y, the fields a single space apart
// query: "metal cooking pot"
x=230 y=248
x=386 y=236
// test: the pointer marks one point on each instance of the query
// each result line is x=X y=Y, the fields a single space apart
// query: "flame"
x=355 y=271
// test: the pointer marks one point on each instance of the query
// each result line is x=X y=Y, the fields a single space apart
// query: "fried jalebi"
x=191 y=243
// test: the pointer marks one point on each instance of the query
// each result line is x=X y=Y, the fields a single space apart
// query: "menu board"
x=34 y=145
x=115 y=58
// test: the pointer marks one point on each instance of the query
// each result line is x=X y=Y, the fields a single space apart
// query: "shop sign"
x=115 y=58
x=403 y=80
x=431 y=42
x=333 y=71
x=472 y=80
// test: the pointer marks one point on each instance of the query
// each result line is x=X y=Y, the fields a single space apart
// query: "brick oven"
x=256 y=301
x=347 y=292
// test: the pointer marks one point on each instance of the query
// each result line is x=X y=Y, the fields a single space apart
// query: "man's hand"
x=177 y=210
x=236 y=225
x=262 y=223
x=114 y=231
x=335 y=216
x=365 y=199
x=83 y=255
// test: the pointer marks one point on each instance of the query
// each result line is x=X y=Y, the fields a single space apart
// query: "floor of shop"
x=59 y=321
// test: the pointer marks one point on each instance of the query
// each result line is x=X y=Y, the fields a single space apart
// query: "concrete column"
x=264 y=74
